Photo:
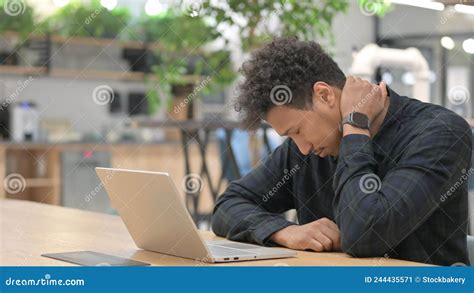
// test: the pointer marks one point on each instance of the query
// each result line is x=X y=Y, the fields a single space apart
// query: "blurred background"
x=149 y=84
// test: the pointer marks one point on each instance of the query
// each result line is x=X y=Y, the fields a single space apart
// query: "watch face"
x=360 y=119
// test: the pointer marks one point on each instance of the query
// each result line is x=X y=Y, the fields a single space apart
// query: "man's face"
x=316 y=129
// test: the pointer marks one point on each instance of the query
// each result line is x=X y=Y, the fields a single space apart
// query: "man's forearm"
x=239 y=219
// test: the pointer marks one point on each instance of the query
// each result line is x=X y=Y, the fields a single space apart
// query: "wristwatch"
x=356 y=119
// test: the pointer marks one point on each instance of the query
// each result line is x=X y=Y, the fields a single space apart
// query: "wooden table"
x=29 y=229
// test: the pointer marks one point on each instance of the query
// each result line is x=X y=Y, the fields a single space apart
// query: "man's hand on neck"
x=361 y=96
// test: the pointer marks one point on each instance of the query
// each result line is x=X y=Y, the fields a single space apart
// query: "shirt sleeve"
x=374 y=215
x=250 y=208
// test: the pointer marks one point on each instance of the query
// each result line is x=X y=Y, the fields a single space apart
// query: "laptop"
x=157 y=219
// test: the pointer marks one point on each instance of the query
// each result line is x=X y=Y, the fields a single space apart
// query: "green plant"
x=258 y=21
x=181 y=59
x=88 y=19
x=176 y=31
x=16 y=16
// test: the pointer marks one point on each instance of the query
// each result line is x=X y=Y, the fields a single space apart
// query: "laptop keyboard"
x=217 y=250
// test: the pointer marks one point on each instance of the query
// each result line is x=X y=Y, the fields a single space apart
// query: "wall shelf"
x=97 y=74
x=41 y=182
x=23 y=70
x=87 y=41
x=47 y=70
x=84 y=74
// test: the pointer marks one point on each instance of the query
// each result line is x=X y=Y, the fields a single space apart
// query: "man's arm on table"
x=250 y=208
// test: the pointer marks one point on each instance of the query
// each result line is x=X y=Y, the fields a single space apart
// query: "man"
x=369 y=172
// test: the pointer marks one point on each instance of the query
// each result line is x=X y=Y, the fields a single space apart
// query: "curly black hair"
x=283 y=72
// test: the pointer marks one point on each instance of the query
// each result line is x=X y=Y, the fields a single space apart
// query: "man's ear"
x=323 y=93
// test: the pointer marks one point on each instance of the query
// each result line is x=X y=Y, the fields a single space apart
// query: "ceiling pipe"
x=367 y=60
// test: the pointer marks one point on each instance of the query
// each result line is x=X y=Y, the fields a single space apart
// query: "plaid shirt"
x=400 y=194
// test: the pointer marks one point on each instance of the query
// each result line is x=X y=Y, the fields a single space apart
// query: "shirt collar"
x=394 y=109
